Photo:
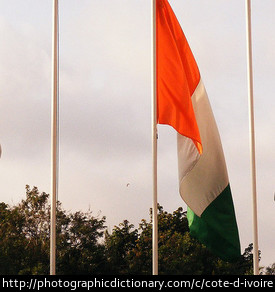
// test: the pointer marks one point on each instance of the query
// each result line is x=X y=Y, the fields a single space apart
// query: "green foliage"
x=118 y=246
x=270 y=270
x=25 y=239
x=179 y=254
x=84 y=246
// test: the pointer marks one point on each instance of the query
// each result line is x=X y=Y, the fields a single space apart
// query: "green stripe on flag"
x=217 y=227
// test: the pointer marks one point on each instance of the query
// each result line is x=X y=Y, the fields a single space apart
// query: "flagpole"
x=252 y=138
x=54 y=134
x=154 y=144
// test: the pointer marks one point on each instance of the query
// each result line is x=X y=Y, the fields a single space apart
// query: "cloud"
x=25 y=105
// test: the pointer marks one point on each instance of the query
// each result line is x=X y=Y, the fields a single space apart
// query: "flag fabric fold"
x=182 y=103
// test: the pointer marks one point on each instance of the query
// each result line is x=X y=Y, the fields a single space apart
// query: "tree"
x=24 y=238
x=12 y=242
x=118 y=246
x=84 y=246
x=270 y=270
x=79 y=249
x=178 y=252
x=24 y=234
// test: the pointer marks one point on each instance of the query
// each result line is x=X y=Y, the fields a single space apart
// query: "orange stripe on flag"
x=177 y=75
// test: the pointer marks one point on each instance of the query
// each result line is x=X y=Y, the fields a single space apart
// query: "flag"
x=182 y=103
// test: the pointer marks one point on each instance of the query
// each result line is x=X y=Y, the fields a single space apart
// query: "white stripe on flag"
x=208 y=177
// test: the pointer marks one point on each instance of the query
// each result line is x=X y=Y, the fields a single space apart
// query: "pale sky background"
x=105 y=105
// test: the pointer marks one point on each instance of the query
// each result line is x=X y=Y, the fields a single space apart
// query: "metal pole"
x=252 y=138
x=55 y=134
x=154 y=144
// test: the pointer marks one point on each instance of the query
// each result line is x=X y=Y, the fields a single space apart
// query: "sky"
x=105 y=162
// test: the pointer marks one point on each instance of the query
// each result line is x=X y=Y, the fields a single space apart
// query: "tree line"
x=84 y=245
